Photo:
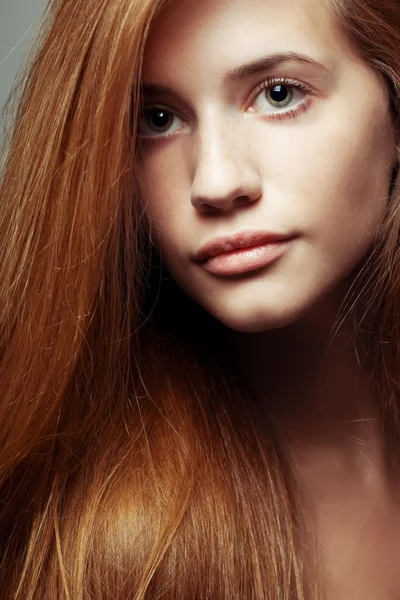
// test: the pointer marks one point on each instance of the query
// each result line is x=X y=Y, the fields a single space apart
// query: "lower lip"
x=245 y=260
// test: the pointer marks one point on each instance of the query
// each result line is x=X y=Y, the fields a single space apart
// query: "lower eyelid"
x=145 y=138
x=289 y=114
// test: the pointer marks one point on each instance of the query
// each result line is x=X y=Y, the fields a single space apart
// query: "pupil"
x=279 y=93
x=160 y=119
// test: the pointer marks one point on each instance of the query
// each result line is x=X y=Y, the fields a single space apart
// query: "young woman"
x=199 y=280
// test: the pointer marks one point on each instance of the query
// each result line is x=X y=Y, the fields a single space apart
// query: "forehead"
x=218 y=35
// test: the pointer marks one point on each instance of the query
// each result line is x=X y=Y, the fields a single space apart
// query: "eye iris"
x=280 y=95
x=158 y=119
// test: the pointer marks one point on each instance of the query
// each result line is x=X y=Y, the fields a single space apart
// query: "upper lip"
x=237 y=241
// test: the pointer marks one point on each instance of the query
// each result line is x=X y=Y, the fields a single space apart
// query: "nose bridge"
x=223 y=169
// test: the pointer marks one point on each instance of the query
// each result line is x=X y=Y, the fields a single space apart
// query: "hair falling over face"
x=132 y=460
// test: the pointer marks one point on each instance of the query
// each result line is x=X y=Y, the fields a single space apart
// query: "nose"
x=224 y=174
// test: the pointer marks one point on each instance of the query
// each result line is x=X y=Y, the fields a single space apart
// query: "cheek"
x=345 y=199
x=340 y=181
x=166 y=186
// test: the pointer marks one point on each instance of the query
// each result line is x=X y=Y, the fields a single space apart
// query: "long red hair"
x=133 y=463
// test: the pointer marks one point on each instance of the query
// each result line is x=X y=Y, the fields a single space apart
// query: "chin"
x=259 y=321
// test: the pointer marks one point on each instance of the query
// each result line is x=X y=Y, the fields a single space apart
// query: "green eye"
x=279 y=95
x=274 y=96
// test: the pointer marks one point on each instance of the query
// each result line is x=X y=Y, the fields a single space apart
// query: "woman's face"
x=268 y=149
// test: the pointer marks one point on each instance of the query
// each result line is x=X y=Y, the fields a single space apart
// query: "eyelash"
x=292 y=113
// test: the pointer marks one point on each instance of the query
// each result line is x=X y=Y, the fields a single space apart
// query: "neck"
x=314 y=382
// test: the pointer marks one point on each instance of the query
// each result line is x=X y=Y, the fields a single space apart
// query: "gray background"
x=19 y=19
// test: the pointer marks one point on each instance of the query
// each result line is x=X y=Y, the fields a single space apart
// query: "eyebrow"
x=268 y=62
x=263 y=64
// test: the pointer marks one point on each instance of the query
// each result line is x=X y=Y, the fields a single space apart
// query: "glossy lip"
x=243 y=239
x=243 y=252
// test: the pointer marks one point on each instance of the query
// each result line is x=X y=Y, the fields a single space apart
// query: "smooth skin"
x=227 y=164
x=226 y=151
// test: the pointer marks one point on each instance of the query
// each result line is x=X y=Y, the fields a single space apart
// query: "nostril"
x=215 y=205
x=209 y=209
x=245 y=200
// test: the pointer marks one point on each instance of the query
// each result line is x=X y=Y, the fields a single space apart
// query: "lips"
x=243 y=252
